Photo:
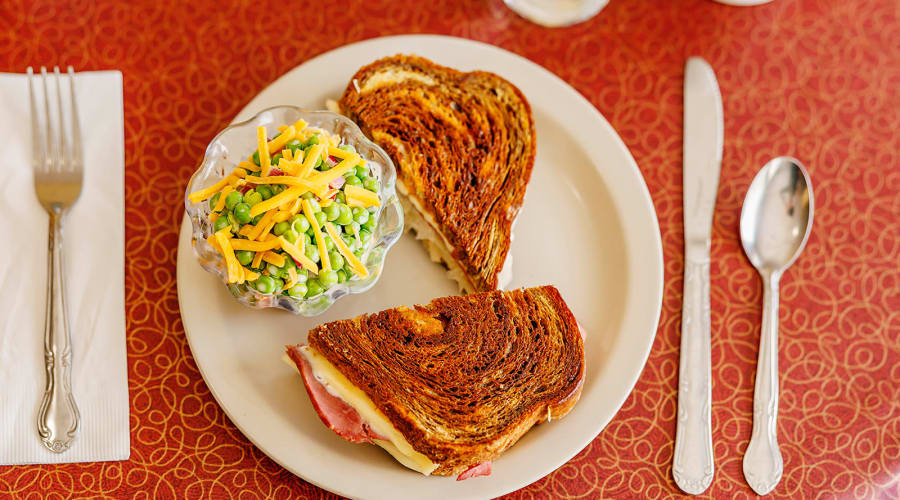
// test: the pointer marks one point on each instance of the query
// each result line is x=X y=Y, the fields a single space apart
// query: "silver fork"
x=58 y=172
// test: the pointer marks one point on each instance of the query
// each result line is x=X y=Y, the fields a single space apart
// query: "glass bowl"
x=235 y=144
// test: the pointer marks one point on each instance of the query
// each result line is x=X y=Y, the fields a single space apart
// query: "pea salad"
x=297 y=216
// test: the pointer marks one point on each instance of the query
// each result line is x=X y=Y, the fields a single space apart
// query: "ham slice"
x=482 y=469
x=333 y=411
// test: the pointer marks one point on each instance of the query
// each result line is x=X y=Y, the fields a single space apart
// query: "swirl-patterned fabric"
x=815 y=79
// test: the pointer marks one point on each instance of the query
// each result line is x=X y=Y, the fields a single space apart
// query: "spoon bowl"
x=777 y=215
x=775 y=223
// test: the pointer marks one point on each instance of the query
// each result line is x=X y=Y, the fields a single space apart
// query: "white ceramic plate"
x=587 y=226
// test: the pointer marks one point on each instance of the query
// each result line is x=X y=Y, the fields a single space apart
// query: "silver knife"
x=692 y=467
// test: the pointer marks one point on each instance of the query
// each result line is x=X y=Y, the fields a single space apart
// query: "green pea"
x=332 y=211
x=313 y=288
x=221 y=223
x=312 y=253
x=245 y=257
x=233 y=199
x=346 y=216
x=348 y=147
x=300 y=224
x=256 y=158
x=329 y=245
x=314 y=204
x=277 y=158
x=298 y=290
x=264 y=191
x=252 y=198
x=281 y=227
x=361 y=217
x=337 y=260
x=242 y=213
x=279 y=284
x=307 y=239
x=307 y=195
x=342 y=276
x=321 y=218
x=340 y=197
x=364 y=236
x=256 y=219
x=302 y=275
x=352 y=181
x=327 y=278
x=214 y=200
x=351 y=228
x=274 y=270
x=361 y=171
x=371 y=184
x=277 y=188
x=290 y=235
x=265 y=284
x=312 y=141
x=350 y=241
x=294 y=145
x=324 y=166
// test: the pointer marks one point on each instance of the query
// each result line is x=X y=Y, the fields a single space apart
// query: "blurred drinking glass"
x=555 y=13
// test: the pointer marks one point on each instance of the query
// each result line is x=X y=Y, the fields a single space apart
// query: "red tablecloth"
x=816 y=79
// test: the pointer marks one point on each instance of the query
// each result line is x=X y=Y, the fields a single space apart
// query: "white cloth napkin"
x=94 y=256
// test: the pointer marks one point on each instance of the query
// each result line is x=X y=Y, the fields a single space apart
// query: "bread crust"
x=464 y=147
x=463 y=378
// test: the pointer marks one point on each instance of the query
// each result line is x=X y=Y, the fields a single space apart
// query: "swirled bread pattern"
x=464 y=147
x=463 y=378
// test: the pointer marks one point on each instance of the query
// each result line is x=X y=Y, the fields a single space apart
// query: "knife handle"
x=693 y=468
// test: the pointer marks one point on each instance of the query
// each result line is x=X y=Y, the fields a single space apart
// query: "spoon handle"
x=692 y=467
x=763 y=465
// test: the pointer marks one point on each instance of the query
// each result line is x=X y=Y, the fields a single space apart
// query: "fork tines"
x=55 y=149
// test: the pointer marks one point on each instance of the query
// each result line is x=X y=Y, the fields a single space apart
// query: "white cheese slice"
x=339 y=386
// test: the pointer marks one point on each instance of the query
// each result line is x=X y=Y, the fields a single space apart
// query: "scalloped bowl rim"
x=334 y=293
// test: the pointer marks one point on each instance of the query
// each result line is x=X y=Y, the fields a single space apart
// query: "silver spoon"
x=775 y=223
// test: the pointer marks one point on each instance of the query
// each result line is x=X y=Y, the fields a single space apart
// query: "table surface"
x=815 y=79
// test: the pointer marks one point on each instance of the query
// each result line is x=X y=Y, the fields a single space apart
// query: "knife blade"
x=692 y=466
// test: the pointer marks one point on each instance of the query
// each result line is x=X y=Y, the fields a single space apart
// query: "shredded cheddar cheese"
x=320 y=240
x=364 y=196
x=222 y=194
x=288 y=194
x=311 y=158
x=231 y=263
x=265 y=163
x=342 y=247
x=253 y=246
x=299 y=176
x=298 y=255
x=274 y=258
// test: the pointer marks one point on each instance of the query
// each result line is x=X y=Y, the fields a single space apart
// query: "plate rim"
x=657 y=273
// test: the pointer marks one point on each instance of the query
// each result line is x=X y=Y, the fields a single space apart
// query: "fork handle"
x=58 y=416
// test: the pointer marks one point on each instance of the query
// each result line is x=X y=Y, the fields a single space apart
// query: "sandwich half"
x=464 y=146
x=447 y=387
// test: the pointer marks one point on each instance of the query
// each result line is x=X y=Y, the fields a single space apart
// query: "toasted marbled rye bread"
x=463 y=378
x=464 y=146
